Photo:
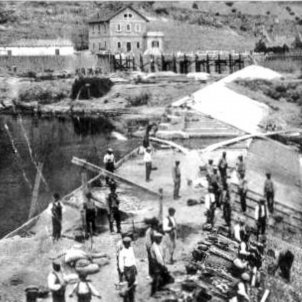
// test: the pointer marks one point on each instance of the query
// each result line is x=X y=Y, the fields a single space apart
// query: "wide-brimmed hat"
x=109 y=150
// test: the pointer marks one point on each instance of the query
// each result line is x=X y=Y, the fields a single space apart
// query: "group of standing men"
x=219 y=194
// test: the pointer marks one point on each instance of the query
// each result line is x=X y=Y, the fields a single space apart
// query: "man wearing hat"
x=109 y=161
x=176 y=174
x=269 y=192
x=240 y=167
x=158 y=263
x=56 y=283
x=113 y=203
x=56 y=213
x=127 y=265
x=261 y=215
x=148 y=163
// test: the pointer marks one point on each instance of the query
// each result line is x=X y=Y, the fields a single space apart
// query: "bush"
x=44 y=93
x=229 y=3
x=195 y=5
x=98 y=87
x=140 y=99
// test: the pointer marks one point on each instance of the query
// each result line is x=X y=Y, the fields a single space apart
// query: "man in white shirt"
x=170 y=229
x=239 y=230
x=84 y=290
x=261 y=214
x=148 y=163
x=127 y=264
x=109 y=162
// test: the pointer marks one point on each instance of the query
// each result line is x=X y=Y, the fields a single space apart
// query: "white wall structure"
x=154 y=40
x=57 y=47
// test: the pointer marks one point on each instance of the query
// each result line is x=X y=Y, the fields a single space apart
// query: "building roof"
x=40 y=43
x=106 y=14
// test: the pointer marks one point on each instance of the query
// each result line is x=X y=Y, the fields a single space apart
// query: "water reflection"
x=53 y=142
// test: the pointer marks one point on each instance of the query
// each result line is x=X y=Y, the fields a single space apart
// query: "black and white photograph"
x=150 y=151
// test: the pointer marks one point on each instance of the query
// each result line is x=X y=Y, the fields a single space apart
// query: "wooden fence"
x=180 y=64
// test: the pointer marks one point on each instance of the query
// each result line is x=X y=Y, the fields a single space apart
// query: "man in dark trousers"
x=109 y=161
x=90 y=213
x=269 y=192
x=56 y=212
x=215 y=183
x=153 y=228
x=113 y=203
x=57 y=283
x=223 y=166
x=148 y=163
x=242 y=190
x=261 y=217
x=176 y=174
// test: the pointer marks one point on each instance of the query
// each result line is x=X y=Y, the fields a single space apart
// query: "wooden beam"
x=171 y=144
x=83 y=163
x=34 y=199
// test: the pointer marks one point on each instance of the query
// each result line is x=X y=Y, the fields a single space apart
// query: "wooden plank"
x=83 y=163
x=176 y=146
x=34 y=199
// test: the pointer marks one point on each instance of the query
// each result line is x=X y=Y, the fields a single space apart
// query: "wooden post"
x=34 y=199
x=121 y=61
x=141 y=62
x=133 y=63
x=84 y=180
x=160 y=214
x=174 y=68
x=230 y=63
x=239 y=62
x=163 y=63
x=219 y=64
x=196 y=63
x=208 y=64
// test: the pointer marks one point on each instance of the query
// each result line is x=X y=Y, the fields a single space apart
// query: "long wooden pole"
x=34 y=199
x=83 y=163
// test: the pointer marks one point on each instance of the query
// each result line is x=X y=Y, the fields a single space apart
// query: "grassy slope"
x=214 y=25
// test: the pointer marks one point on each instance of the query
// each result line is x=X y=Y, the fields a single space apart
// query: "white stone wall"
x=37 y=51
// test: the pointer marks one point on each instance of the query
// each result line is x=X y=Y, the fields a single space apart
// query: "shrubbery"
x=140 y=99
x=98 y=87
x=277 y=90
x=44 y=93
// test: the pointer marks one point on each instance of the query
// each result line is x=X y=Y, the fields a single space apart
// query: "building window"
x=128 y=28
x=128 y=46
x=137 y=28
x=99 y=28
x=128 y=16
x=105 y=29
x=9 y=52
x=155 y=44
x=119 y=27
x=93 y=46
x=100 y=46
x=105 y=45
x=119 y=45
x=93 y=28
x=138 y=45
x=57 y=52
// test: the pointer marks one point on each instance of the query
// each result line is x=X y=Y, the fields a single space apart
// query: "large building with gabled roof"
x=120 y=31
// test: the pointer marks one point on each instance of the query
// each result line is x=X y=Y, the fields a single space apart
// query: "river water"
x=25 y=141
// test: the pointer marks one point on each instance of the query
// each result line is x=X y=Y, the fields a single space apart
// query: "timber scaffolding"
x=183 y=64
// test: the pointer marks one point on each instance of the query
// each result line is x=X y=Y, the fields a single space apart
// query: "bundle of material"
x=89 y=269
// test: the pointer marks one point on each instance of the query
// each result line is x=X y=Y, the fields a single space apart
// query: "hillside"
x=187 y=25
